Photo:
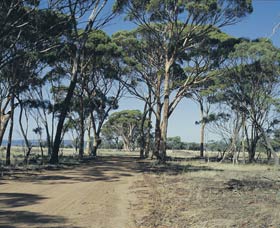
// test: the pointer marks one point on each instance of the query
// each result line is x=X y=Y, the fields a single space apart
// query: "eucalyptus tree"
x=145 y=66
x=178 y=27
x=14 y=16
x=100 y=85
x=41 y=104
x=20 y=75
x=125 y=125
x=18 y=23
x=202 y=96
x=249 y=86
x=15 y=20
x=101 y=103
x=143 y=63
x=4 y=103
x=84 y=17
x=25 y=67
x=29 y=39
x=215 y=52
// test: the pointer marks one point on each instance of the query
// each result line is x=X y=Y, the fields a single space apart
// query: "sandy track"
x=96 y=194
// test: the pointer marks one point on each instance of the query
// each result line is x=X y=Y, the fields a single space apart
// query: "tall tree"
x=177 y=27
x=101 y=85
x=24 y=46
x=250 y=88
x=75 y=10
x=141 y=76
x=201 y=96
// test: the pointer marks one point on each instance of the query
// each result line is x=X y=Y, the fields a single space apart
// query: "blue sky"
x=259 y=24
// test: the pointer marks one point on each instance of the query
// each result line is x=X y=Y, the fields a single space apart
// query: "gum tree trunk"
x=165 y=114
x=148 y=142
x=3 y=125
x=10 y=136
x=96 y=143
x=82 y=129
x=267 y=142
x=142 y=130
x=202 y=134
x=157 y=133
x=24 y=134
x=89 y=140
x=243 y=138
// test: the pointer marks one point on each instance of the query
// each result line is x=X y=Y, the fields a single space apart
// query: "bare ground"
x=123 y=192
x=196 y=194
x=96 y=194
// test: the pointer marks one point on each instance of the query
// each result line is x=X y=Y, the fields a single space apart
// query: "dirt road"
x=97 y=194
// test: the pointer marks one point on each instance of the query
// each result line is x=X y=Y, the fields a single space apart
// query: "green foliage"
x=254 y=69
x=124 y=119
x=216 y=146
x=248 y=88
x=175 y=143
x=160 y=10
x=125 y=125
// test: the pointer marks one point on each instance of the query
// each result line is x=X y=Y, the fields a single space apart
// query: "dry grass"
x=199 y=194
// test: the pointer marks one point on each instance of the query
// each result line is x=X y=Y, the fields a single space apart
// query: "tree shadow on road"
x=108 y=169
x=10 y=218
x=8 y=200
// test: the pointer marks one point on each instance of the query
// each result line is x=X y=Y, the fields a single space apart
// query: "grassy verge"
x=198 y=194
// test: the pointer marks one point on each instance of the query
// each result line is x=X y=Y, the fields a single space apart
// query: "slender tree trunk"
x=82 y=129
x=10 y=137
x=276 y=158
x=234 y=142
x=243 y=138
x=156 y=148
x=126 y=144
x=3 y=125
x=49 y=135
x=142 y=130
x=235 y=137
x=252 y=144
x=94 y=148
x=248 y=141
x=157 y=136
x=165 y=114
x=148 y=141
x=96 y=143
x=52 y=133
x=49 y=142
x=76 y=145
x=252 y=152
x=202 y=134
x=252 y=141
x=24 y=134
x=202 y=128
x=41 y=148
x=64 y=110
x=4 y=118
x=89 y=140
x=96 y=134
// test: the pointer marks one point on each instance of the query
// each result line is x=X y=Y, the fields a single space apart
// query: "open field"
x=198 y=194
x=117 y=190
